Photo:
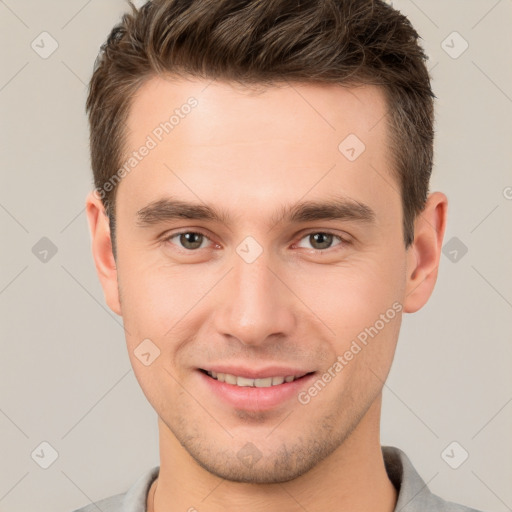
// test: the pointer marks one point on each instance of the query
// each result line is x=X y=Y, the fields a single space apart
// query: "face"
x=260 y=236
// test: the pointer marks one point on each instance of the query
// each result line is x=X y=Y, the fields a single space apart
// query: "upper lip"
x=253 y=373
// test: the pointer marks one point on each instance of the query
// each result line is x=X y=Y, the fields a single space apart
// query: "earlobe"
x=424 y=254
x=102 y=251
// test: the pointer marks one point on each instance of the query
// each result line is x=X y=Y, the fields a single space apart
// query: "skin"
x=249 y=154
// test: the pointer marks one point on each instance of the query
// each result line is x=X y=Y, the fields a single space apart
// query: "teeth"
x=242 y=381
x=245 y=382
x=229 y=379
x=263 y=383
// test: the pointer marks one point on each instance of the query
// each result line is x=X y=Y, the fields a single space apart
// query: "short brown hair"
x=349 y=42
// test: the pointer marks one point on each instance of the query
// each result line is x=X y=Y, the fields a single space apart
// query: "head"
x=278 y=215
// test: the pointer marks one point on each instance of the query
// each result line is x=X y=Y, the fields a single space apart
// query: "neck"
x=352 y=478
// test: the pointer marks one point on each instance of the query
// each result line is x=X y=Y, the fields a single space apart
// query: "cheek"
x=351 y=296
x=165 y=303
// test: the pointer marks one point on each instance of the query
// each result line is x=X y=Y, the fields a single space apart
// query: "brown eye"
x=320 y=240
x=189 y=240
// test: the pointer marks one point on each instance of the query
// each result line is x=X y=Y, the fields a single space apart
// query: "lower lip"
x=254 y=398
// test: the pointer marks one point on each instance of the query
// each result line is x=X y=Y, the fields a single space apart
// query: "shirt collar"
x=413 y=493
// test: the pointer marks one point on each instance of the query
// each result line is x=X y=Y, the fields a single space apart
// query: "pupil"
x=187 y=240
x=323 y=239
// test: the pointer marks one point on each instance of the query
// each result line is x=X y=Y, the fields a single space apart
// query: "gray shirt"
x=413 y=493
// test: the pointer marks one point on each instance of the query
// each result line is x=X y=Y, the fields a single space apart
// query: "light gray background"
x=65 y=374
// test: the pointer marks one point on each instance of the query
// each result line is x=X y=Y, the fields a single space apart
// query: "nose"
x=254 y=304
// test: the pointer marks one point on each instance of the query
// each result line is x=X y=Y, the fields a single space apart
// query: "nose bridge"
x=255 y=305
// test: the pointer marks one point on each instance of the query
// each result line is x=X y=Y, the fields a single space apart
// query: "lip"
x=253 y=398
x=262 y=373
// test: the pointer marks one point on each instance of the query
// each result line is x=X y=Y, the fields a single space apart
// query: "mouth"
x=252 y=387
x=266 y=382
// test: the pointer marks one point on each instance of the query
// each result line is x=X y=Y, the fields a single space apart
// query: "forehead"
x=219 y=141
x=287 y=109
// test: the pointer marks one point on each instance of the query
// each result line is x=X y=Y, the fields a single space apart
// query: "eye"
x=321 y=240
x=194 y=240
x=189 y=240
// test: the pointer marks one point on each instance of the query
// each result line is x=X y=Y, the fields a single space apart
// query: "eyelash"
x=343 y=241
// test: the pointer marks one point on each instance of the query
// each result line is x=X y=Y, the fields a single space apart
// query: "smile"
x=237 y=380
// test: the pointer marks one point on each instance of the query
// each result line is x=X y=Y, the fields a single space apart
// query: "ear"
x=102 y=251
x=424 y=253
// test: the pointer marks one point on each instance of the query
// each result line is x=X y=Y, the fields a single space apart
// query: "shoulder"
x=438 y=503
x=110 y=504
x=133 y=500
x=413 y=493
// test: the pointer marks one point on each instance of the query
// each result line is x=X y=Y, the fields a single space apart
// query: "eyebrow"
x=168 y=209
